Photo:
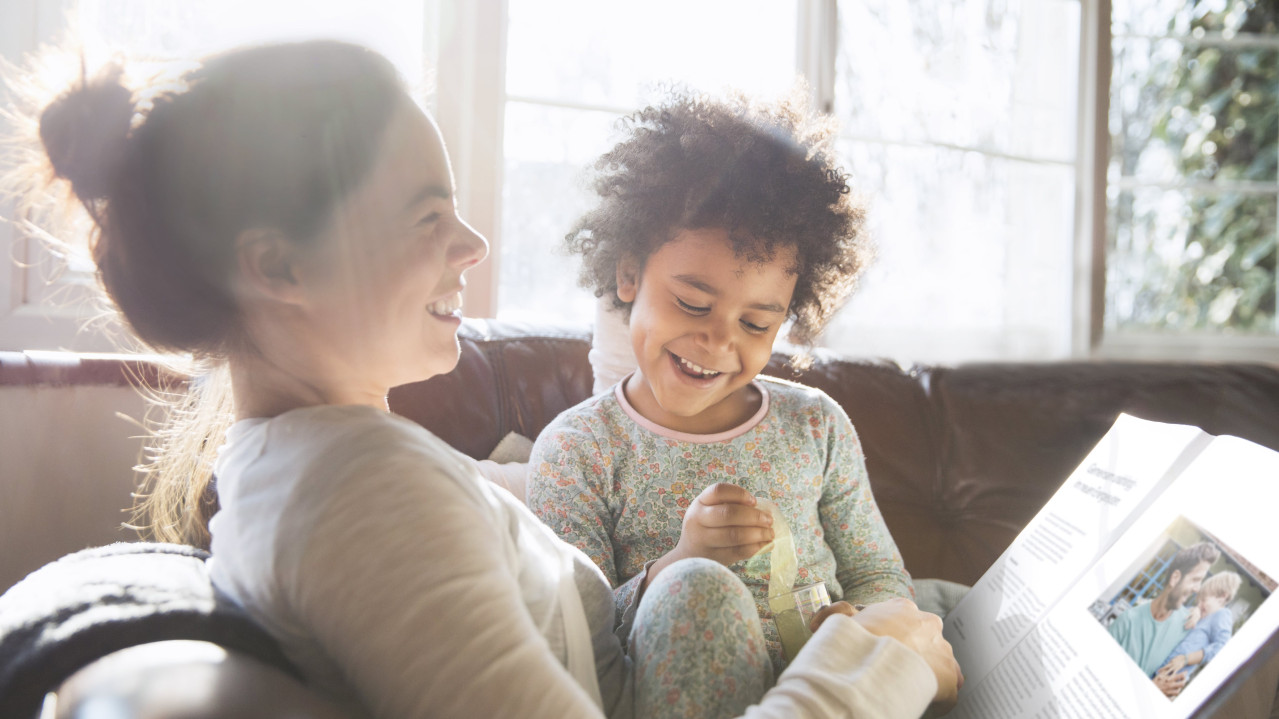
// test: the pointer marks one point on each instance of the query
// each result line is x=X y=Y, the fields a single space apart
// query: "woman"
x=289 y=214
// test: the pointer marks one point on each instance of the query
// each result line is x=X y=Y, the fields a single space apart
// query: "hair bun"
x=84 y=132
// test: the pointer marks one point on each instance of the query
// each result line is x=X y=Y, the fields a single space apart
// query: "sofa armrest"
x=187 y=679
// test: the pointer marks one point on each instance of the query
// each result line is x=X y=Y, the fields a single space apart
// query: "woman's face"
x=385 y=278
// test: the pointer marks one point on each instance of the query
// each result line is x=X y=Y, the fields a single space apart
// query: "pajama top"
x=616 y=486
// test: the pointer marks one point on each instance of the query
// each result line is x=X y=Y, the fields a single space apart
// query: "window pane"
x=547 y=152
x=973 y=257
x=959 y=125
x=995 y=76
x=1184 y=263
x=1194 y=168
x=165 y=29
x=565 y=57
x=195 y=27
x=1181 y=18
x=611 y=53
x=1193 y=112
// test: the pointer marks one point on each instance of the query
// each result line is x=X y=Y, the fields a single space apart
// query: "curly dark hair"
x=764 y=172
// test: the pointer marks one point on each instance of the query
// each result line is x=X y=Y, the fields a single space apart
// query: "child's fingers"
x=737 y=536
x=725 y=493
x=734 y=515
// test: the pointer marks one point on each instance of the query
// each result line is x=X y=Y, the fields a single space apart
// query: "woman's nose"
x=469 y=247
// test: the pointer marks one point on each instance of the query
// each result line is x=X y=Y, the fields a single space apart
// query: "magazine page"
x=1131 y=464
x=1179 y=602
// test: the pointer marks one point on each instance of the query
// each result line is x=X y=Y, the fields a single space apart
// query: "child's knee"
x=697 y=615
x=704 y=582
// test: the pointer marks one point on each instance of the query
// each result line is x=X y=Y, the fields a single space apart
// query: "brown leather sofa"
x=960 y=458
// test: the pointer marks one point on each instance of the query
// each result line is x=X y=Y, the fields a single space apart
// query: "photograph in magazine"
x=1180 y=603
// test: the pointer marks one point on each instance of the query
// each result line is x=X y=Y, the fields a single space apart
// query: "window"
x=573 y=67
x=958 y=121
x=1047 y=178
x=47 y=300
x=1192 y=192
x=970 y=171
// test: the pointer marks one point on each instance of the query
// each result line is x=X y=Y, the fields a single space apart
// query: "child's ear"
x=627 y=279
x=266 y=261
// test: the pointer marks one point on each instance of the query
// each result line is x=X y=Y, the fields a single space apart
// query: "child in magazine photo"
x=1211 y=626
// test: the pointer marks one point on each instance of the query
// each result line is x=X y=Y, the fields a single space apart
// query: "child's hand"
x=721 y=524
x=1169 y=682
x=1193 y=618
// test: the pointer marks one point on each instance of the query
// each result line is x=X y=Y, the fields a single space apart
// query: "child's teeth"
x=697 y=368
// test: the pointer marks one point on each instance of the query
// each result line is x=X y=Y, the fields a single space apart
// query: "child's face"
x=702 y=324
x=1210 y=603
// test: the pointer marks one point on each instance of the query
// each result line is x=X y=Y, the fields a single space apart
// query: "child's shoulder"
x=788 y=395
x=593 y=414
x=1222 y=615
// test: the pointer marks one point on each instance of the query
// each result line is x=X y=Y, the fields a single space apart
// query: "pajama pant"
x=697 y=645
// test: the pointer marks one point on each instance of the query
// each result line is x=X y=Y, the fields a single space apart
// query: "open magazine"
x=1139 y=590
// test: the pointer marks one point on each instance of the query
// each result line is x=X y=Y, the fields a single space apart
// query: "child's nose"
x=718 y=336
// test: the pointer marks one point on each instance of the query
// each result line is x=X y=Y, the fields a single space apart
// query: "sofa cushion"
x=512 y=378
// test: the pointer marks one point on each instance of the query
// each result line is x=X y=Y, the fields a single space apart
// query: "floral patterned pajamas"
x=697 y=644
x=617 y=486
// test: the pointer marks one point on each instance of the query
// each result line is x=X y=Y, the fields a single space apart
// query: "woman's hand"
x=849 y=610
x=1175 y=665
x=920 y=631
x=722 y=524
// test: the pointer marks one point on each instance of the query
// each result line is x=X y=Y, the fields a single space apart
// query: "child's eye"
x=428 y=219
x=692 y=309
x=752 y=327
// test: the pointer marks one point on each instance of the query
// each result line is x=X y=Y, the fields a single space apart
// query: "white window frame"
x=468 y=105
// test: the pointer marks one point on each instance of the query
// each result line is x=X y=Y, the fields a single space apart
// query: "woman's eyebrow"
x=428 y=192
x=698 y=283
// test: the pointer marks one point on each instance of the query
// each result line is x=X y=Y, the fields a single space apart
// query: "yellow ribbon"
x=784 y=565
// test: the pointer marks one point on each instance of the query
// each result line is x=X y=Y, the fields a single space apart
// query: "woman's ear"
x=628 y=271
x=266 y=260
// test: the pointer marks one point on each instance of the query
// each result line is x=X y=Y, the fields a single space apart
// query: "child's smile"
x=702 y=324
x=694 y=370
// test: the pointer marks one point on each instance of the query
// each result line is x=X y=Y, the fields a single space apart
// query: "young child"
x=718 y=222
x=1213 y=628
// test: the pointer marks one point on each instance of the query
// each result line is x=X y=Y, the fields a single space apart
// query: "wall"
x=66 y=473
